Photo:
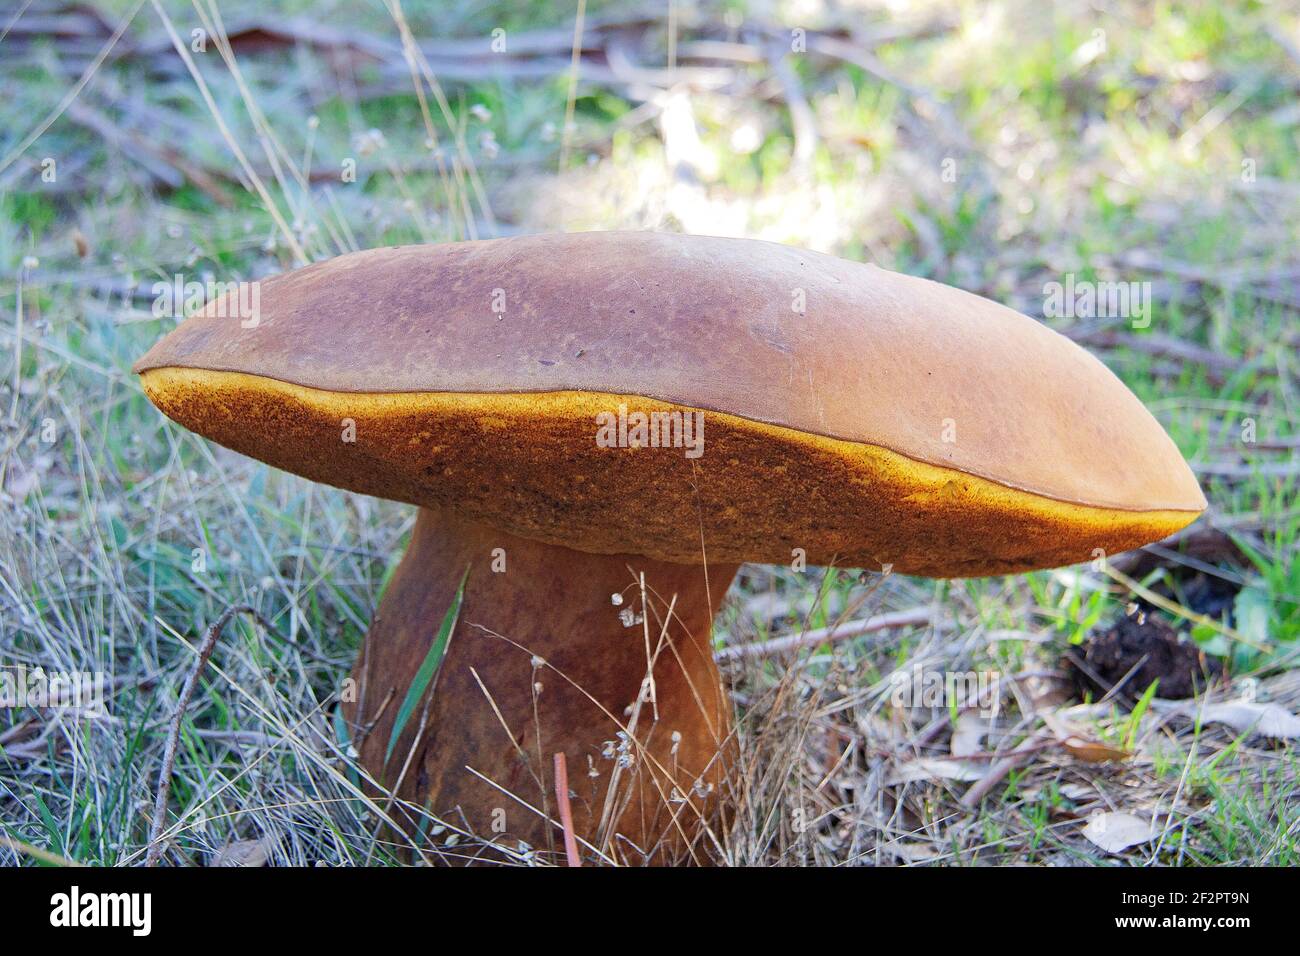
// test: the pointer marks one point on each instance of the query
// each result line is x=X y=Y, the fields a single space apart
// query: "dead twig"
x=913 y=617
x=1162 y=346
x=174 y=733
x=801 y=115
x=979 y=790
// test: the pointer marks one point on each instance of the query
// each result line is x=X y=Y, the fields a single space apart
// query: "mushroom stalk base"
x=541 y=662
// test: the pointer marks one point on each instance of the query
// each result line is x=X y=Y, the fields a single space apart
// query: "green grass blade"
x=1135 y=718
x=430 y=667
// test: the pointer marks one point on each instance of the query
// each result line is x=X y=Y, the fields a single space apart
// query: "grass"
x=1170 y=155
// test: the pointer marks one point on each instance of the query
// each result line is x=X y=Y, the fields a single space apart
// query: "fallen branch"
x=913 y=617
x=1162 y=346
x=1262 y=469
x=980 y=789
x=802 y=120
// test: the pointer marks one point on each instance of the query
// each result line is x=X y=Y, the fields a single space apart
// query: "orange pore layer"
x=531 y=465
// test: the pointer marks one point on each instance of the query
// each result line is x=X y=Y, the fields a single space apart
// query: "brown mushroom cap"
x=893 y=420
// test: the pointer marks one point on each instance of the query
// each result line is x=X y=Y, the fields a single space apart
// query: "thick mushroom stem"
x=543 y=661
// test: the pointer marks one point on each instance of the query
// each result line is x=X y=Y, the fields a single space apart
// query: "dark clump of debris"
x=1137 y=650
x=1212 y=596
x=1197 y=572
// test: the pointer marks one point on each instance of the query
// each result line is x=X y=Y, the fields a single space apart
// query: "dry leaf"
x=929 y=769
x=968 y=735
x=243 y=853
x=1093 y=751
x=912 y=852
x=21 y=480
x=1116 y=831
x=1078 y=744
x=1267 y=719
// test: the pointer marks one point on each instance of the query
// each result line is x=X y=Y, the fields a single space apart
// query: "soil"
x=1147 y=645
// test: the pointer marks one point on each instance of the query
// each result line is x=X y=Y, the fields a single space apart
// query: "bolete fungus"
x=601 y=427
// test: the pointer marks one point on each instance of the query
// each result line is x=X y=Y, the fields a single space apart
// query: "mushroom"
x=598 y=429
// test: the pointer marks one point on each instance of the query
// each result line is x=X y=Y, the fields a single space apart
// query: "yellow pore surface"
x=530 y=464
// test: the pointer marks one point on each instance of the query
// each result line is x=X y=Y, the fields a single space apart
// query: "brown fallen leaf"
x=1093 y=751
